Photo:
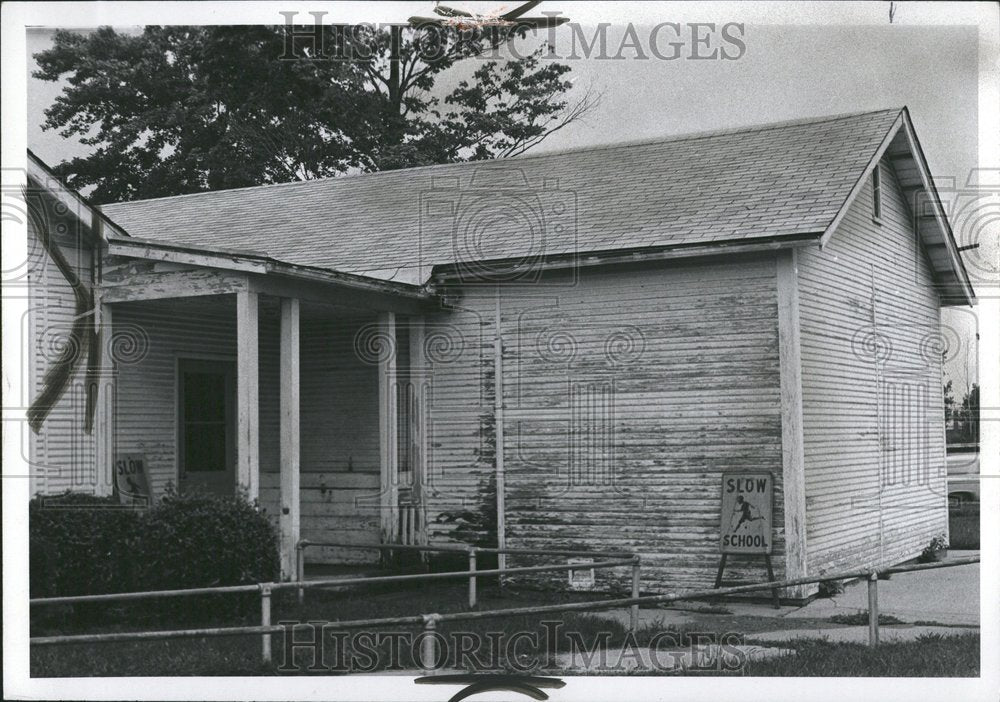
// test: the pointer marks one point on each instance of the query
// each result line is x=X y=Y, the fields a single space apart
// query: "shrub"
x=85 y=545
x=79 y=545
x=206 y=541
x=474 y=527
x=861 y=619
x=933 y=550
x=829 y=588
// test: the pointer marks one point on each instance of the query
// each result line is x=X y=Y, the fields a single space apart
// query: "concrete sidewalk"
x=946 y=597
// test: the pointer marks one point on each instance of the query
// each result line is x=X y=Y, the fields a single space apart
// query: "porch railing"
x=408 y=525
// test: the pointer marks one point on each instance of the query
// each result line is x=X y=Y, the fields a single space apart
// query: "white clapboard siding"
x=339 y=409
x=146 y=407
x=869 y=503
x=62 y=454
x=628 y=393
x=336 y=506
x=339 y=396
x=339 y=441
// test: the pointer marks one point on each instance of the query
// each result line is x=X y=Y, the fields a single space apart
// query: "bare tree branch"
x=577 y=113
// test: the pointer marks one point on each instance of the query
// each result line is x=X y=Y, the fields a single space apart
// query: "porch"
x=306 y=395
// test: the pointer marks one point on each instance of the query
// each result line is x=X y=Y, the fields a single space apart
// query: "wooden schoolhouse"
x=562 y=350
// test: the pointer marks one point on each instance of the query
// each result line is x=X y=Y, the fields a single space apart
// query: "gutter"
x=456 y=272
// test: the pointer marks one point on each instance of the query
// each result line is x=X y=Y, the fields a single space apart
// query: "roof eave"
x=86 y=212
x=926 y=184
x=958 y=266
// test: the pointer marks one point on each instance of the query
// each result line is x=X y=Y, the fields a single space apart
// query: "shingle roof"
x=776 y=180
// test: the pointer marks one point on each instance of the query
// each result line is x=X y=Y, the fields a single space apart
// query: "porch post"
x=247 y=381
x=418 y=458
x=289 y=519
x=387 y=437
x=104 y=407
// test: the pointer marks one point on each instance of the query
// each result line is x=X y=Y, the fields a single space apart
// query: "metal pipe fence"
x=472 y=553
x=266 y=589
x=430 y=621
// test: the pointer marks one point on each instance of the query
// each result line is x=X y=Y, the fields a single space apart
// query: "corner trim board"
x=792 y=445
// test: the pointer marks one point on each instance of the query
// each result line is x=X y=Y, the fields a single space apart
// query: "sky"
x=789 y=71
x=800 y=60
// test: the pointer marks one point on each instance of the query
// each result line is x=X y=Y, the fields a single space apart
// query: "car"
x=963 y=473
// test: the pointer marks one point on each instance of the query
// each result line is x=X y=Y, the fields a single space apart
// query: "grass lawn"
x=241 y=655
x=487 y=643
x=929 y=656
x=963 y=525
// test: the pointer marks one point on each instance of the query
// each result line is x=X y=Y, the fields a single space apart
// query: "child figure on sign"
x=744 y=514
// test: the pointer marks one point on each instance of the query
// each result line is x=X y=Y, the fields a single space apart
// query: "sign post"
x=746 y=520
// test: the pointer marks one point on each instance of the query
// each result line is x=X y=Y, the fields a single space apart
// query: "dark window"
x=204 y=421
x=876 y=194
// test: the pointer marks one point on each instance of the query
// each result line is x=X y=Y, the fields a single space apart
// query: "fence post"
x=300 y=568
x=472 y=577
x=873 y=608
x=428 y=653
x=265 y=620
x=634 y=614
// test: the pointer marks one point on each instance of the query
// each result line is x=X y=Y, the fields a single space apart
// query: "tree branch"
x=577 y=113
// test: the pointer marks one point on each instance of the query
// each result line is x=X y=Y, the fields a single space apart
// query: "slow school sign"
x=746 y=513
x=131 y=484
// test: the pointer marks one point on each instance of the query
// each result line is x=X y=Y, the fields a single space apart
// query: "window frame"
x=225 y=367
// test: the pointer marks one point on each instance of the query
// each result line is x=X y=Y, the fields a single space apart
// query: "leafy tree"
x=949 y=401
x=968 y=415
x=185 y=109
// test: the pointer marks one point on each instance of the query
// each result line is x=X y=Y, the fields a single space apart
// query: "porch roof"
x=258 y=263
x=193 y=271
